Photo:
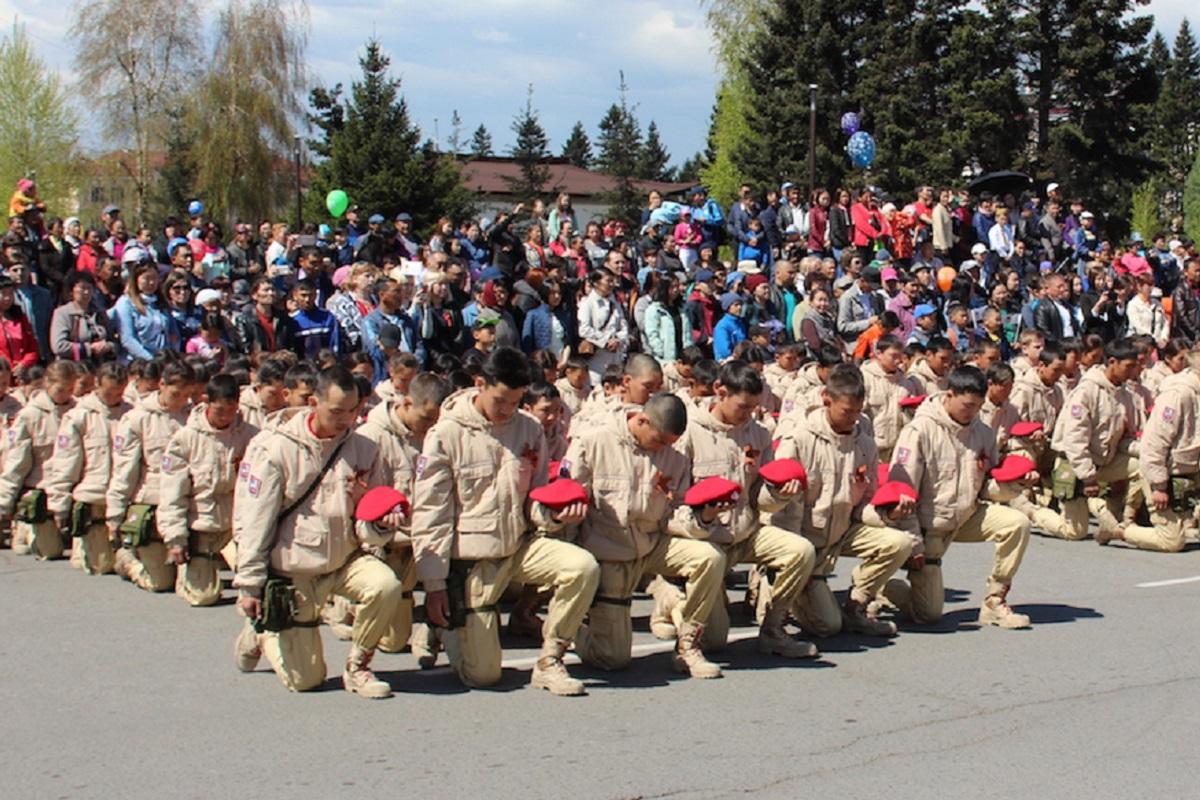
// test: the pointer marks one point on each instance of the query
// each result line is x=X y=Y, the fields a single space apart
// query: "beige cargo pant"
x=149 y=569
x=1166 y=534
x=199 y=580
x=1108 y=511
x=608 y=643
x=882 y=550
x=43 y=539
x=573 y=574
x=296 y=654
x=1007 y=528
x=399 y=628
x=790 y=556
x=95 y=548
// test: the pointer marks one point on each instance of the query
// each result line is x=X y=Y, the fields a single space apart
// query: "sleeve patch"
x=63 y=440
x=244 y=470
x=119 y=442
x=902 y=455
x=1168 y=414
x=12 y=435
x=254 y=486
x=167 y=463
x=422 y=462
x=1076 y=411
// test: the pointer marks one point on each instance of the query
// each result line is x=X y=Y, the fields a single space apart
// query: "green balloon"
x=337 y=202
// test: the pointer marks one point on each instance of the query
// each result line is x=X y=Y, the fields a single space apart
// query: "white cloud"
x=492 y=36
x=671 y=40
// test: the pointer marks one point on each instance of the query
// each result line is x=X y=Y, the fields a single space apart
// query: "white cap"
x=749 y=267
x=978 y=247
x=1174 y=244
x=207 y=296
x=1050 y=187
x=888 y=208
x=1087 y=215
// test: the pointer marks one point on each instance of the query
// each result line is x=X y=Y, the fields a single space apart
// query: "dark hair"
x=305 y=284
x=830 y=355
x=846 y=380
x=354 y=359
x=428 y=388
x=889 y=342
x=889 y=320
x=739 y=377
x=753 y=354
x=508 y=367
x=914 y=349
x=938 y=344
x=705 y=371
x=576 y=362
x=271 y=371
x=1051 y=352
x=967 y=379
x=1120 y=350
x=598 y=273
x=539 y=390
x=612 y=374
x=1092 y=341
x=640 y=364
x=667 y=414
x=460 y=379
x=1000 y=373
x=1070 y=345
x=222 y=387
x=1172 y=348
x=178 y=373
x=212 y=321
x=335 y=376
x=690 y=355
x=442 y=363
x=112 y=371
x=302 y=373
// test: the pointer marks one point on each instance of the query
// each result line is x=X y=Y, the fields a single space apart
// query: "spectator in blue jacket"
x=390 y=311
x=316 y=329
x=141 y=323
x=549 y=326
x=708 y=213
x=731 y=328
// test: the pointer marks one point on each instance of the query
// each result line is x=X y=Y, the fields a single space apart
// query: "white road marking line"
x=1172 y=582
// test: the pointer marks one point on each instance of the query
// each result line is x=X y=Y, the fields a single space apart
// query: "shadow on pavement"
x=1051 y=613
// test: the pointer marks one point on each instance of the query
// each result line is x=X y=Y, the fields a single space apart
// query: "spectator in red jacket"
x=17 y=342
x=868 y=223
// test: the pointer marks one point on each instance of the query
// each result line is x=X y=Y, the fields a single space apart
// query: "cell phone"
x=306 y=241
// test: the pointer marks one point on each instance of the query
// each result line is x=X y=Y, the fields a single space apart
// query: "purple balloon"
x=850 y=123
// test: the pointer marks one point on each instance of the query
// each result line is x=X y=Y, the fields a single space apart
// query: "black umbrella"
x=1001 y=183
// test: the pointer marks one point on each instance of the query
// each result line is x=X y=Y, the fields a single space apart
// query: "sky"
x=479 y=57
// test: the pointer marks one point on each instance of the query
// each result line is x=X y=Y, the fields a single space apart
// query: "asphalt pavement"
x=108 y=692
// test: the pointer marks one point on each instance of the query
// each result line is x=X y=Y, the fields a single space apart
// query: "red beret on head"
x=377 y=503
x=559 y=494
x=890 y=493
x=712 y=490
x=782 y=470
x=912 y=401
x=1014 y=468
x=1025 y=428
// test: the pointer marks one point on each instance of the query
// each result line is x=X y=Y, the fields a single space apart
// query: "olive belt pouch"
x=81 y=518
x=31 y=508
x=138 y=529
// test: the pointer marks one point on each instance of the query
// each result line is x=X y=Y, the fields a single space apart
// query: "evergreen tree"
x=729 y=136
x=481 y=143
x=653 y=160
x=328 y=116
x=377 y=158
x=177 y=178
x=1176 y=115
x=530 y=151
x=1191 y=201
x=578 y=148
x=620 y=144
x=689 y=170
x=455 y=141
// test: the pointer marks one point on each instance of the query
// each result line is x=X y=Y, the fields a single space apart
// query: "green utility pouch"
x=1182 y=492
x=456 y=595
x=81 y=518
x=278 y=606
x=1063 y=483
x=31 y=508
x=138 y=529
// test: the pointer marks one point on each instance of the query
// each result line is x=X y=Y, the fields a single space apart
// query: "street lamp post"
x=299 y=210
x=812 y=138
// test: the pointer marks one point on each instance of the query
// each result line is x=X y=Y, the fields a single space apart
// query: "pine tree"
x=530 y=151
x=620 y=144
x=689 y=170
x=653 y=160
x=1191 y=201
x=481 y=143
x=328 y=116
x=377 y=158
x=1176 y=115
x=177 y=178
x=454 y=142
x=578 y=148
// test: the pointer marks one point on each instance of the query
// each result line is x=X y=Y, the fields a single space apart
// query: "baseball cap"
x=111 y=209
x=749 y=267
x=923 y=310
x=978 y=247
x=1174 y=244
x=1045 y=266
x=786 y=185
x=1087 y=215
x=487 y=318
x=1050 y=187
x=704 y=276
x=175 y=244
x=889 y=274
x=844 y=282
x=970 y=263
x=882 y=255
x=207 y=296
x=403 y=216
x=729 y=299
x=375 y=219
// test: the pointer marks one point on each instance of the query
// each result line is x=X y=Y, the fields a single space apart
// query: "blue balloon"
x=195 y=208
x=861 y=149
x=850 y=123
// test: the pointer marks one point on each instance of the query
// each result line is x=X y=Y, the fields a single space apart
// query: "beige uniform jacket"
x=924 y=380
x=842 y=479
x=385 y=391
x=595 y=409
x=473 y=480
x=737 y=453
x=1036 y=402
x=81 y=467
x=635 y=495
x=253 y=411
x=10 y=406
x=1138 y=401
x=399 y=450
x=280 y=464
x=574 y=398
x=1171 y=442
x=807 y=379
x=197 y=476
x=30 y=445
x=140 y=439
x=1093 y=427
x=884 y=393
x=672 y=380
x=947 y=463
x=778 y=379
x=1152 y=379
x=1001 y=419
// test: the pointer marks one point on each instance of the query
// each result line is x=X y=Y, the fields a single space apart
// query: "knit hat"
x=728 y=299
x=754 y=281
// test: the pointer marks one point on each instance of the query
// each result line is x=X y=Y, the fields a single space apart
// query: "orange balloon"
x=945 y=278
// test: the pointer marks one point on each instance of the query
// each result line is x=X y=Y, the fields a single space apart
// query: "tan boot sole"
x=371 y=693
x=539 y=681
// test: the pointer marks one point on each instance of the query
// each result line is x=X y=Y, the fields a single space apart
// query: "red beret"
x=782 y=470
x=377 y=503
x=552 y=471
x=1014 y=468
x=559 y=494
x=712 y=490
x=889 y=493
x=1025 y=428
x=912 y=401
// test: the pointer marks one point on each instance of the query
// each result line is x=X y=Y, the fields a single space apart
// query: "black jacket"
x=1185 y=313
x=251 y=336
x=1047 y=320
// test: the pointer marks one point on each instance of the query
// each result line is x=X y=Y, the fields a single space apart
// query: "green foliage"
x=176 y=184
x=38 y=127
x=481 y=143
x=1144 y=214
x=376 y=156
x=729 y=135
x=530 y=151
x=1191 y=201
x=620 y=152
x=1176 y=114
x=578 y=148
x=653 y=159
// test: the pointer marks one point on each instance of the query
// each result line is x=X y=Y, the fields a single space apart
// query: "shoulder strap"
x=312 y=487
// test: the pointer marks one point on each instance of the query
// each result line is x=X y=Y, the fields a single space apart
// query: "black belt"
x=406 y=595
x=488 y=609
x=819 y=578
x=933 y=562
